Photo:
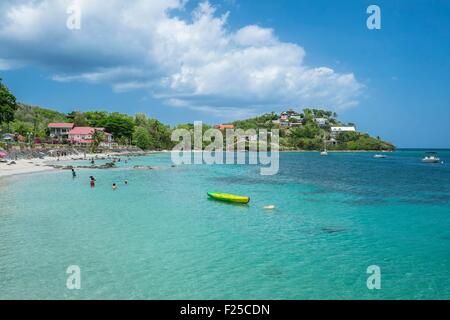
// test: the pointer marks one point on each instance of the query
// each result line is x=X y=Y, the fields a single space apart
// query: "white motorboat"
x=431 y=157
x=324 y=152
x=380 y=156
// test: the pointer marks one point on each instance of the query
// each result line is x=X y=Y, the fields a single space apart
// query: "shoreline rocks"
x=109 y=165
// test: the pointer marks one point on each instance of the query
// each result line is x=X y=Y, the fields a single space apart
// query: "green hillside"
x=311 y=129
x=302 y=131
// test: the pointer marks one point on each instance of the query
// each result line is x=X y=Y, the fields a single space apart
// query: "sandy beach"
x=24 y=167
x=27 y=166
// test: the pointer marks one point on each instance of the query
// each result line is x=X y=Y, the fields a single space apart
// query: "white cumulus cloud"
x=195 y=62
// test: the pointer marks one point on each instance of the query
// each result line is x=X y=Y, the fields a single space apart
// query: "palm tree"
x=98 y=137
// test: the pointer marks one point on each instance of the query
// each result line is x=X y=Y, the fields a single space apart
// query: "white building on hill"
x=321 y=121
x=336 y=130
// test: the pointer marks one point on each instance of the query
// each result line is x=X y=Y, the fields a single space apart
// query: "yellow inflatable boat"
x=229 y=197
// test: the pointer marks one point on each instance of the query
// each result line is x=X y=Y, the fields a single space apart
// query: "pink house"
x=83 y=135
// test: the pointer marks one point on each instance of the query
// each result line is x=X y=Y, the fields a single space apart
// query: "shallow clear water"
x=160 y=237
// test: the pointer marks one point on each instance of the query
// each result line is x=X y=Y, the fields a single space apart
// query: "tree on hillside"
x=22 y=128
x=120 y=125
x=308 y=115
x=159 y=134
x=8 y=104
x=78 y=118
x=348 y=136
x=96 y=119
x=141 y=120
x=261 y=122
x=98 y=137
x=36 y=120
x=141 y=138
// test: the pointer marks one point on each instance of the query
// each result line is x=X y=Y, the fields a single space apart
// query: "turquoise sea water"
x=160 y=237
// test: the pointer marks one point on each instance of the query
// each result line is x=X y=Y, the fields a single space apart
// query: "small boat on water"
x=229 y=197
x=380 y=156
x=431 y=157
x=324 y=153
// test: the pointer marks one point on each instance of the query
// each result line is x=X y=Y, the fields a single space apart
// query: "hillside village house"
x=289 y=118
x=224 y=126
x=8 y=137
x=322 y=122
x=290 y=113
x=296 y=121
x=336 y=130
x=60 y=131
x=83 y=135
x=332 y=141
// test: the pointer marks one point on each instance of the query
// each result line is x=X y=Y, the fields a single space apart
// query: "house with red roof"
x=60 y=131
x=84 y=135
x=224 y=126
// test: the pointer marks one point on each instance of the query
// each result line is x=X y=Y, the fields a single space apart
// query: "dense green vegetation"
x=301 y=131
x=312 y=136
x=33 y=121
x=261 y=122
x=8 y=105
x=150 y=134
x=361 y=141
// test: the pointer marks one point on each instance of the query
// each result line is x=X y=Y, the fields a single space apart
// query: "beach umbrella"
x=3 y=153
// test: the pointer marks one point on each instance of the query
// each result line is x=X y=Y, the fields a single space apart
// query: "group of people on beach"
x=93 y=180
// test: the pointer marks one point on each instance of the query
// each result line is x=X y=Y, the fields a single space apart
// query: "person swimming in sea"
x=114 y=186
x=92 y=182
x=126 y=182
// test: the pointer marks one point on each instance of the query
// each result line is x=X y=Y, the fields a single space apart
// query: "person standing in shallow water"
x=114 y=186
x=74 y=174
x=92 y=182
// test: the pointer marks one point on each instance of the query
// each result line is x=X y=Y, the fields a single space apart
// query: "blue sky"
x=202 y=65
